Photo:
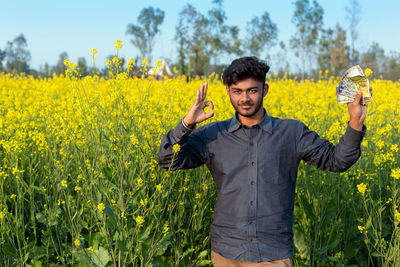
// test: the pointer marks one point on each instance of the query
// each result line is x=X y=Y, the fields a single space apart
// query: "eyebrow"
x=254 y=87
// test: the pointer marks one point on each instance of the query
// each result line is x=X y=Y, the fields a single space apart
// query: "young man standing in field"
x=253 y=159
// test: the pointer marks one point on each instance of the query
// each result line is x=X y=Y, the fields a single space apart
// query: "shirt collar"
x=265 y=123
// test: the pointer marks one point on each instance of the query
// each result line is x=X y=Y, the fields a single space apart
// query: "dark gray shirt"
x=255 y=170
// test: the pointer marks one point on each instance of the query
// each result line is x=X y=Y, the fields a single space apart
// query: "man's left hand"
x=357 y=111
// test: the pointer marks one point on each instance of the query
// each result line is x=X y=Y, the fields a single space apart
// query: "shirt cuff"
x=353 y=136
x=181 y=130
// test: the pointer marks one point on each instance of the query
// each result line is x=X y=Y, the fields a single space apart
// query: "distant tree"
x=60 y=67
x=261 y=33
x=281 y=58
x=221 y=38
x=17 y=55
x=2 y=57
x=308 y=21
x=191 y=35
x=353 y=16
x=374 y=59
x=333 y=53
x=392 y=67
x=82 y=66
x=146 y=30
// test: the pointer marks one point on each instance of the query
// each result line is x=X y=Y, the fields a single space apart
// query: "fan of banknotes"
x=353 y=80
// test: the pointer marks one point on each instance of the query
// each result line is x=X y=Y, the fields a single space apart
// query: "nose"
x=245 y=97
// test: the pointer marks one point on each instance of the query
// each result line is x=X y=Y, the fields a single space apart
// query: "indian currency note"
x=353 y=79
x=362 y=84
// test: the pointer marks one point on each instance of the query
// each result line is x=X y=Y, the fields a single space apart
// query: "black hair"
x=243 y=68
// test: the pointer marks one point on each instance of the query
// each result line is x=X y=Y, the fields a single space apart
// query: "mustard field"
x=80 y=184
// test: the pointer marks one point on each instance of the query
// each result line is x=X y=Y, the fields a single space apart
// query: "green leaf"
x=186 y=253
x=9 y=251
x=144 y=234
x=101 y=257
x=203 y=263
x=202 y=254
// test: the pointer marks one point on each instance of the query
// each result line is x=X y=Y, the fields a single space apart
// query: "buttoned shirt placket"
x=253 y=135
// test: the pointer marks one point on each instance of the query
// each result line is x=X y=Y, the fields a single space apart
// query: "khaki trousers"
x=219 y=261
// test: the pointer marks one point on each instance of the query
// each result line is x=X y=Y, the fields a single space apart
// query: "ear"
x=266 y=87
x=227 y=90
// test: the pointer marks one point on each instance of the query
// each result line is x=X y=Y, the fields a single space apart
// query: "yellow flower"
x=362 y=229
x=139 y=181
x=165 y=230
x=159 y=187
x=368 y=72
x=139 y=221
x=361 y=188
x=64 y=183
x=397 y=216
x=77 y=242
x=101 y=207
x=90 y=249
x=13 y=196
x=2 y=214
x=78 y=188
x=395 y=173
x=176 y=148
x=197 y=196
x=93 y=54
x=118 y=44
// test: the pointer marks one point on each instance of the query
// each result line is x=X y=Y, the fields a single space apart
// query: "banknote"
x=353 y=79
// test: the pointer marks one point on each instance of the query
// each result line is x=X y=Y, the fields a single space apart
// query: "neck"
x=253 y=120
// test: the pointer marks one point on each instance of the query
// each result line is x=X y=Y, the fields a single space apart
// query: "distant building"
x=162 y=70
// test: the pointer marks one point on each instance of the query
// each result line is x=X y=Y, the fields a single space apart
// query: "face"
x=247 y=96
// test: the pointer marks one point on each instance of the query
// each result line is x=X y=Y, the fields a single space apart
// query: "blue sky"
x=52 y=27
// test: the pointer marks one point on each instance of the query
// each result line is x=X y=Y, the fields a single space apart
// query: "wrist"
x=187 y=123
x=356 y=125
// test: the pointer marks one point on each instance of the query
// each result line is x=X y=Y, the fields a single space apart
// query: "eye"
x=236 y=92
x=253 y=91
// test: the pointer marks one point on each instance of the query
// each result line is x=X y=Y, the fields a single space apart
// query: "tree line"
x=203 y=41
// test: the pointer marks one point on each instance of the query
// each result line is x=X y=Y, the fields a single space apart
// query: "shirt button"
x=251 y=222
x=252 y=163
x=251 y=143
x=252 y=182
x=251 y=203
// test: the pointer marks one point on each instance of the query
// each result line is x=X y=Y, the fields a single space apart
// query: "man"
x=253 y=159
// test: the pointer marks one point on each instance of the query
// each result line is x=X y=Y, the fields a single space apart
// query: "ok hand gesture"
x=196 y=113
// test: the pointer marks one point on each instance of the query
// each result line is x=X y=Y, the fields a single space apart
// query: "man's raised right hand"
x=196 y=113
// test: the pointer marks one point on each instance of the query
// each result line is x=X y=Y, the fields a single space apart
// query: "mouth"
x=246 y=106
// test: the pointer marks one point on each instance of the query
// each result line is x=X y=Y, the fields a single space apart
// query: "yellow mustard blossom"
x=362 y=229
x=368 y=72
x=101 y=207
x=397 y=216
x=13 y=196
x=139 y=181
x=90 y=249
x=176 y=148
x=78 y=188
x=93 y=54
x=64 y=183
x=77 y=242
x=143 y=202
x=165 y=230
x=395 y=173
x=139 y=221
x=118 y=44
x=159 y=187
x=361 y=188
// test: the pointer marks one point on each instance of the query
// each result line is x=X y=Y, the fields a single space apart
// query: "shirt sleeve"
x=326 y=156
x=192 y=152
